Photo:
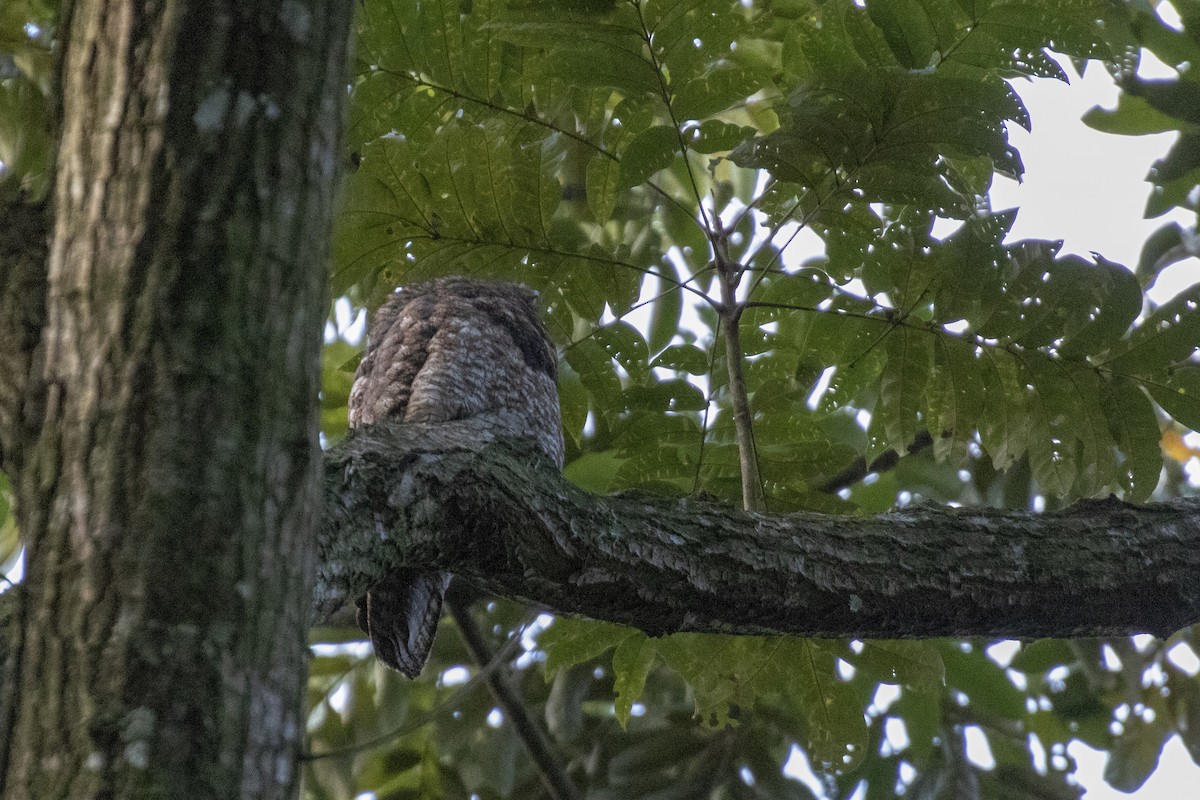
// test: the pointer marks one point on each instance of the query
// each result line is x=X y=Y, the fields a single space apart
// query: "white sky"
x=1089 y=188
x=1084 y=186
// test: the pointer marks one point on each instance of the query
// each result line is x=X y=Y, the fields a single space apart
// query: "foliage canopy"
x=617 y=155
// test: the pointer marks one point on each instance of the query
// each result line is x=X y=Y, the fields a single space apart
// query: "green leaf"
x=1056 y=421
x=968 y=272
x=666 y=311
x=1133 y=116
x=593 y=472
x=564 y=706
x=714 y=92
x=584 y=47
x=897 y=264
x=683 y=358
x=1003 y=425
x=890 y=132
x=1013 y=36
x=434 y=206
x=673 y=396
x=1134 y=427
x=573 y=401
x=912 y=32
x=903 y=384
x=954 y=394
x=1062 y=302
x=837 y=731
x=1172 y=174
x=631 y=662
x=780 y=295
x=675 y=26
x=662 y=751
x=625 y=345
x=1113 y=299
x=650 y=151
x=26 y=145
x=1038 y=658
x=604 y=66
x=1135 y=754
x=1161 y=249
x=1166 y=337
x=1180 y=397
x=1098 y=473
x=982 y=681
x=716 y=136
x=414 y=56
x=1186 y=690
x=728 y=670
x=568 y=641
x=922 y=716
x=603 y=182
x=10 y=537
x=1175 y=98
x=596 y=371
x=914 y=664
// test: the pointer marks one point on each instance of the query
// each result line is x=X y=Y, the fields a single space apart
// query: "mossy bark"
x=452 y=496
x=169 y=488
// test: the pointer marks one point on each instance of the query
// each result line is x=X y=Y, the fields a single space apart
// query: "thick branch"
x=495 y=513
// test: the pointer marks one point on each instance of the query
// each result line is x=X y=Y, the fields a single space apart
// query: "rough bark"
x=450 y=496
x=24 y=241
x=169 y=489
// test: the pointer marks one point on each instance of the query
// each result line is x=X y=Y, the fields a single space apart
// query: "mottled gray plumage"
x=454 y=348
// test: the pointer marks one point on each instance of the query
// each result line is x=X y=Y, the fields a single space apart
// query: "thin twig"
x=665 y=92
x=513 y=705
x=728 y=274
x=882 y=463
x=708 y=402
x=424 y=719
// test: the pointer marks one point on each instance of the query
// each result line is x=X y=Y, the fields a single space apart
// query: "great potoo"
x=451 y=349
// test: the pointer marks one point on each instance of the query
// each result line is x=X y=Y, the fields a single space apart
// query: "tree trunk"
x=170 y=488
x=24 y=235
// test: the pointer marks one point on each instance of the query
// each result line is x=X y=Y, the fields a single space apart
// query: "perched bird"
x=451 y=349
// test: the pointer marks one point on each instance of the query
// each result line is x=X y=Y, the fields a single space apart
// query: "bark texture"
x=169 y=488
x=24 y=242
x=450 y=496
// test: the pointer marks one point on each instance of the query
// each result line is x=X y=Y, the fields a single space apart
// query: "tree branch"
x=554 y=778
x=728 y=275
x=454 y=496
x=885 y=461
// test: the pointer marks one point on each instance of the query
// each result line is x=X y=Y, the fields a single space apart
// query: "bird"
x=453 y=348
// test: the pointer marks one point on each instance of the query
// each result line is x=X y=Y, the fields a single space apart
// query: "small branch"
x=743 y=422
x=450 y=703
x=883 y=462
x=513 y=705
x=454 y=496
x=728 y=275
x=665 y=94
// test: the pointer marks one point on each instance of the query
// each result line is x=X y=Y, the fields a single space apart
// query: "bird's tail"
x=401 y=617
